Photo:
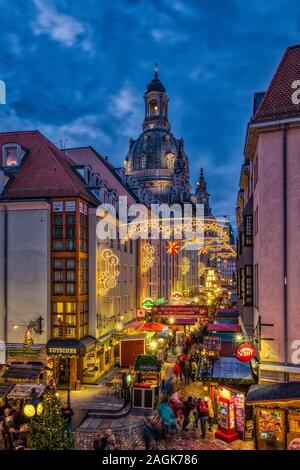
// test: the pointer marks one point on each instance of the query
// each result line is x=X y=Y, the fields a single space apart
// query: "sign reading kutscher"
x=168 y=310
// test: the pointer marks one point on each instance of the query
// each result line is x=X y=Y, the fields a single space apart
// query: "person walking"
x=188 y=406
x=211 y=413
x=186 y=372
x=111 y=442
x=194 y=370
x=177 y=371
x=67 y=413
x=203 y=414
x=167 y=416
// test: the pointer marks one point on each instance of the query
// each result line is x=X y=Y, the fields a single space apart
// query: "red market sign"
x=180 y=310
x=245 y=352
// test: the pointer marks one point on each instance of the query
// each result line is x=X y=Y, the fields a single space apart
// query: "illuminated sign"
x=245 y=352
x=177 y=295
x=148 y=303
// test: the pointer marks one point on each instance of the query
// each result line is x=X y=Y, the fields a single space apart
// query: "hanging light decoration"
x=107 y=277
x=147 y=257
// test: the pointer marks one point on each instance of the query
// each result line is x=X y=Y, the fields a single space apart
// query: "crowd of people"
x=174 y=413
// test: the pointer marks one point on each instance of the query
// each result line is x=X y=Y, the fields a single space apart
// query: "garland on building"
x=48 y=431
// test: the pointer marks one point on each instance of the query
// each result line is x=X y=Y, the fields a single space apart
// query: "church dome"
x=154 y=149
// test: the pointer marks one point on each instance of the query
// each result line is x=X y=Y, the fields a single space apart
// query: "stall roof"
x=282 y=391
x=222 y=327
x=227 y=313
x=22 y=391
x=23 y=372
x=231 y=368
x=154 y=326
x=5 y=388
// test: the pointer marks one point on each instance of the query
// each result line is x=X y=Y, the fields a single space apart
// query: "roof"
x=274 y=392
x=23 y=391
x=231 y=368
x=227 y=313
x=23 y=372
x=154 y=326
x=224 y=327
x=277 y=101
x=45 y=170
x=90 y=156
x=5 y=388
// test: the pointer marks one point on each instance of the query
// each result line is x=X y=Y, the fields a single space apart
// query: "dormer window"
x=12 y=155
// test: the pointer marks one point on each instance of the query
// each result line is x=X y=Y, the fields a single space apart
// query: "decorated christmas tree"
x=48 y=431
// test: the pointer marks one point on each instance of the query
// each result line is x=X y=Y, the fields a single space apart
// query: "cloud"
x=125 y=106
x=62 y=28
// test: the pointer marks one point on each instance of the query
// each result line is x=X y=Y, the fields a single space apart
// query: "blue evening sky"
x=77 y=70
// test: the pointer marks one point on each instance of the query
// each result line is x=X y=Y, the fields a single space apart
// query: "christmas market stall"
x=145 y=389
x=24 y=373
x=24 y=397
x=5 y=388
x=276 y=410
x=228 y=381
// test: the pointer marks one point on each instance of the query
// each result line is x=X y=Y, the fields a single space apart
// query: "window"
x=255 y=221
x=83 y=276
x=12 y=155
x=256 y=287
x=248 y=228
x=170 y=161
x=153 y=108
x=63 y=276
x=246 y=285
x=131 y=273
x=125 y=272
x=143 y=161
x=255 y=172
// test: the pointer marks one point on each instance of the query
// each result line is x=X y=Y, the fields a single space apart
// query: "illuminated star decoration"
x=173 y=247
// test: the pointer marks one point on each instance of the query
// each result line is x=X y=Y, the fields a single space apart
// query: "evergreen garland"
x=48 y=431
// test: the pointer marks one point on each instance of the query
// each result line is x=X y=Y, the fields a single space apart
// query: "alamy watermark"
x=176 y=221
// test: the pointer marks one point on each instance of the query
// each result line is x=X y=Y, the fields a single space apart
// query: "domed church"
x=156 y=159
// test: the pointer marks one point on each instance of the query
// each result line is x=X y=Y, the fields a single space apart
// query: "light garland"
x=185 y=265
x=107 y=278
x=213 y=238
x=148 y=257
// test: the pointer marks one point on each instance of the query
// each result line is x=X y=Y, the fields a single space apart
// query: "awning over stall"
x=277 y=392
x=23 y=372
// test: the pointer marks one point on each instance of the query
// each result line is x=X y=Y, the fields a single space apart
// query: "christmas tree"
x=48 y=431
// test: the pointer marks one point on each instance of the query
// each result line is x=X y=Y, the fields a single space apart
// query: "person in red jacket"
x=177 y=372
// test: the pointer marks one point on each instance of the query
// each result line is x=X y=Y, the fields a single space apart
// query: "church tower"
x=202 y=195
x=156 y=158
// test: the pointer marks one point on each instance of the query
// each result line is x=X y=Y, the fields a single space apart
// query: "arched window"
x=144 y=161
x=170 y=160
x=153 y=108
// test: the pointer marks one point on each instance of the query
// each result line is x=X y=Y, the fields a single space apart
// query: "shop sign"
x=294 y=444
x=58 y=206
x=140 y=313
x=62 y=351
x=177 y=295
x=212 y=343
x=148 y=303
x=245 y=352
x=180 y=310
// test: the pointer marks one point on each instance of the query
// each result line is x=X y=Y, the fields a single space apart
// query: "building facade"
x=54 y=271
x=267 y=216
